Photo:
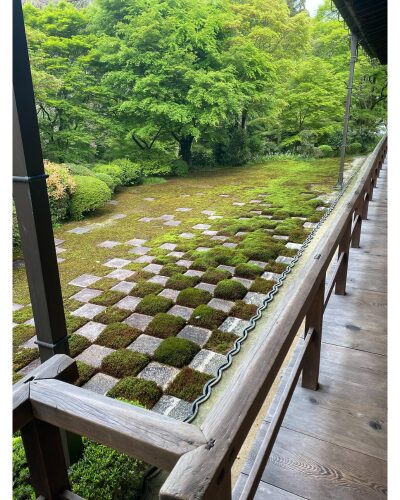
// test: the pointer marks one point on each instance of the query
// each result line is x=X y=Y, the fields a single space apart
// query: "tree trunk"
x=185 y=148
x=243 y=121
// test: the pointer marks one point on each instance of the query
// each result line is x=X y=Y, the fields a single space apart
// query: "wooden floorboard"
x=333 y=442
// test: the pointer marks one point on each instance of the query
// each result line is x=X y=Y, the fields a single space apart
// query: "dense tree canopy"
x=210 y=81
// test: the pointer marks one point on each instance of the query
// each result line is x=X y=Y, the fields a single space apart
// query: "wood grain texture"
x=22 y=410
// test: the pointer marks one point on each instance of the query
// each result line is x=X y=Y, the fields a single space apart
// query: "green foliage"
x=188 y=385
x=22 y=486
x=176 y=352
x=249 y=271
x=207 y=317
x=117 y=335
x=179 y=168
x=230 y=290
x=171 y=269
x=354 y=148
x=22 y=333
x=213 y=276
x=153 y=304
x=131 y=172
x=193 y=297
x=90 y=194
x=154 y=180
x=108 y=298
x=221 y=342
x=124 y=363
x=112 y=315
x=326 y=150
x=144 y=288
x=261 y=286
x=23 y=357
x=85 y=373
x=165 y=325
x=145 y=391
x=180 y=282
x=77 y=344
x=114 y=171
x=60 y=187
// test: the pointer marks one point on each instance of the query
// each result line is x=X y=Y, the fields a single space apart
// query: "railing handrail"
x=200 y=458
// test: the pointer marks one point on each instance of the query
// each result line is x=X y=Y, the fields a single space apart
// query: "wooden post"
x=355 y=238
x=365 y=206
x=314 y=320
x=344 y=246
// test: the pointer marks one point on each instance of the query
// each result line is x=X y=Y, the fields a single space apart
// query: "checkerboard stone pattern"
x=196 y=334
x=207 y=362
x=173 y=407
x=94 y=355
x=100 y=383
x=145 y=344
x=162 y=375
x=88 y=311
x=91 y=330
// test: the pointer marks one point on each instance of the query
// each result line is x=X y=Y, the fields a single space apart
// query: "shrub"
x=23 y=314
x=207 y=317
x=354 y=148
x=243 y=311
x=23 y=357
x=104 y=473
x=188 y=385
x=262 y=286
x=60 y=187
x=193 y=297
x=131 y=172
x=76 y=169
x=157 y=167
x=249 y=271
x=144 y=288
x=106 y=283
x=213 y=276
x=176 y=352
x=221 y=342
x=230 y=290
x=145 y=391
x=165 y=325
x=90 y=194
x=180 y=282
x=107 y=179
x=22 y=487
x=124 y=363
x=171 y=269
x=77 y=344
x=179 y=168
x=108 y=298
x=326 y=150
x=22 y=333
x=85 y=373
x=203 y=157
x=153 y=304
x=114 y=171
x=74 y=322
x=112 y=315
x=117 y=335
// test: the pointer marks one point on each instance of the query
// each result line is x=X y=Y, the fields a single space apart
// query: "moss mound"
x=112 y=315
x=221 y=342
x=165 y=325
x=230 y=290
x=193 y=297
x=124 y=363
x=108 y=298
x=117 y=336
x=180 y=282
x=249 y=271
x=135 y=389
x=243 y=311
x=176 y=352
x=207 y=317
x=105 y=283
x=144 y=288
x=85 y=373
x=188 y=385
x=171 y=269
x=74 y=322
x=77 y=344
x=262 y=286
x=154 y=304
x=213 y=276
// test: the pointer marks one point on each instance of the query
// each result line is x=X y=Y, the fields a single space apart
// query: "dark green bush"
x=207 y=317
x=131 y=388
x=220 y=342
x=22 y=333
x=112 y=315
x=107 y=179
x=188 y=385
x=326 y=150
x=193 y=297
x=176 y=352
x=180 y=282
x=230 y=290
x=179 y=168
x=131 y=172
x=77 y=344
x=108 y=298
x=117 y=335
x=165 y=325
x=249 y=271
x=153 y=304
x=124 y=363
x=213 y=276
x=114 y=171
x=90 y=194
x=242 y=310
x=85 y=373
x=354 y=148
x=144 y=288
x=23 y=357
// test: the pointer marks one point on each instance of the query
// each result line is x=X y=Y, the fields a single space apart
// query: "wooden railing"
x=199 y=458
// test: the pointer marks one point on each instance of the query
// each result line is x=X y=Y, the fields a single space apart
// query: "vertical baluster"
x=344 y=246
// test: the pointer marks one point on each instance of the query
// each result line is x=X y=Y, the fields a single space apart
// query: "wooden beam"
x=59 y=367
x=155 y=438
x=22 y=410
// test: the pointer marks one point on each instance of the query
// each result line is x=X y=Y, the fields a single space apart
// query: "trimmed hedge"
x=176 y=352
x=117 y=336
x=90 y=194
x=165 y=325
x=193 y=297
x=230 y=290
x=131 y=172
x=146 y=392
x=114 y=171
x=188 y=385
x=124 y=363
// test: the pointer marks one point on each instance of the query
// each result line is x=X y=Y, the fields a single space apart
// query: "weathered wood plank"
x=352 y=337
x=22 y=410
x=57 y=367
x=155 y=438
x=265 y=491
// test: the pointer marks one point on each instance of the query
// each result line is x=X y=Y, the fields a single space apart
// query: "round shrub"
x=179 y=168
x=108 y=298
x=60 y=187
x=153 y=304
x=114 y=171
x=326 y=150
x=354 y=148
x=220 y=342
x=112 y=315
x=135 y=389
x=107 y=179
x=165 y=325
x=249 y=271
x=124 y=363
x=207 y=317
x=131 y=172
x=90 y=194
x=157 y=167
x=180 y=282
x=144 y=288
x=176 y=352
x=76 y=169
x=117 y=335
x=188 y=385
x=230 y=290
x=193 y=297
x=213 y=276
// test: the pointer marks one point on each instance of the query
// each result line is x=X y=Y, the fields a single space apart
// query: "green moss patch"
x=77 y=344
x=124 y=363
x=243 y=311
x=230 y=290
x=74 y=322
x=180 y=282
x=85 y=373
x=221 y=342
x=176 y=352
x=171 y=269
x=23 y=357
x=112 y=315
x=71 y=304
x=22 y=333
x=153 y=304
x=135 y=389
x=117 y=336
x=108 y=298
x=188 y=385
x=144 y=288
x=23 y=314
x=249 y=271
x=262 y=286
x=105 y=283
x=207 y=317
x=140 y=276
x=193 y=297
x=165 y=325
x=213 y=276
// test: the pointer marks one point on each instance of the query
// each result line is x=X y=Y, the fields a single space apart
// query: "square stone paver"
x=207 y=362
x=123 y=287
x=86 y=294
x=120 y=274
x=184 y=263
x=112 y=202
x=221 y=304
x=136 y=242
x=209 y=232
x=100 y=383
x=91 y=330
x=208 y=287
x=229 y=245
x=203 y=249
x=270 y=276
x=183 y=209
x=241 y=233
x=149 y=199
x=31 y=343
x=30 y=322
x=138 y=321
x=293 y=246
x=245 y=282
x=146 y=219
x=166 y=217
x=108 y=244
x=321 y=209
x=219 y=238
x=169 y=293
x=280 y=237
x=282 y=259
x=140 y=250
x=117 y=263
x=256 y=212
x=128 y=303
x=160 y=280
x=201 y=226
x=162 y=375
x=60 y=250
x=310 y=225
x=187 y=235
x=178 y=255
x=145 y=259
x=57 y=241
x=234 y=325
x=173 y=407
x=255 y=202
x=118 y=216
x=214 y=217
x=230 y=269
x=172 y=223
x=208 y=212
x=168 y=246
x=80 y=230
x=16 y=307
x=88 y=311
x=254 y=298
x=94 y=355
x=258 y=263
x=193 y=272
x=182 y=311
x=146 y=344
x=238 y=204
x=195 y=334
x=153 y=268
x=84 y=280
